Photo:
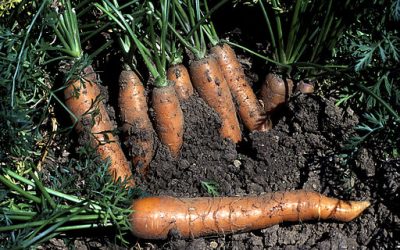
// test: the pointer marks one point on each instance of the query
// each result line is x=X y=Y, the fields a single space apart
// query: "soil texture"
x=302 y=151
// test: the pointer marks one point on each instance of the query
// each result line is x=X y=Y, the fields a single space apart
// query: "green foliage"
x=211 y=187
x=304 y=31
x=24 y=90
x=374 y=44
x=7 y=5
x=31 y=218
x=365 y=50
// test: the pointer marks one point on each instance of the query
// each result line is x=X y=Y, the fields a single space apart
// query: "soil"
x=301 y=152
x=304 y=150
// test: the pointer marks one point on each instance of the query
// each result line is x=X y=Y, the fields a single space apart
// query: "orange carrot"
x=169 y=118
x=137 y=127
x=275 y=91
x=82 y=97
x=179 y=74
x=212 y=87
x=250 y=110
x=155 y=217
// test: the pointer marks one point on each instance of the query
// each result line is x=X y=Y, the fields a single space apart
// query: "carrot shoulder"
x=155 y=217
x=82 y=97
x=169 y=118
x=179 y=74
x=250 y=110
x=212 y=87
x=136 y=125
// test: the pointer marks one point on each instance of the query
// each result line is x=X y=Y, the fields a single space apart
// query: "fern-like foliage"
x=396 y=10
x=366 y=50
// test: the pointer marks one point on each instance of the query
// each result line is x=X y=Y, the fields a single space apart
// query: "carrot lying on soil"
x=275 y=91
x=250 y=110
x=211 y=85
x=136 y=125
x=155 y=217
x=82 y=99
x=179 y=74
x=169 y=118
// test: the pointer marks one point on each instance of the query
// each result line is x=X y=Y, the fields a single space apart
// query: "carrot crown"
x=66 y=29
x=195 y=22
x=153 y=47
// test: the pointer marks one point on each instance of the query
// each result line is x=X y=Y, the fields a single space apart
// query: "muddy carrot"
x=179 y=74
x=136 y=125
x=156 y=217
x=169 y=118
x=250 y=110
x=205 y=72
x=153 y=49
x=212 y=87
x=82 y=97
x=275 y=91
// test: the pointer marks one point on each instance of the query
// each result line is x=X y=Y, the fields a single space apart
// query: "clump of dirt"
x=300 y=152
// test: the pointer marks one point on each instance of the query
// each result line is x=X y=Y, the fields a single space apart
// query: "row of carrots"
x=218 y=78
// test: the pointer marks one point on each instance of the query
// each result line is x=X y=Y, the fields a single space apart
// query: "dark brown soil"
x=301 y=152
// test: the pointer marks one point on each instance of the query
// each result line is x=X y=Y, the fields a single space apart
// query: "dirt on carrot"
x=275 y=91
x=212 y=87
x=158 y=217
x=250 y=110
x=82 y=97
x=137 y=128
x=179 y=74
x=169 y=118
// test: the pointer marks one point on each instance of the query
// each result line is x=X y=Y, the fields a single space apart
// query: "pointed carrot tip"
x=357 y=207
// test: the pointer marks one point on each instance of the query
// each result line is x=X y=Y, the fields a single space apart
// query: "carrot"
x=179 y=74
x=250 y=110
x=169 y=118
x=212 y=87
x=275 y=91
x=137 y=127
x=156 y=217
x=82 y=97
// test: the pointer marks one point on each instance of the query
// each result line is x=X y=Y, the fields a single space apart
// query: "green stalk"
x=281 y=47
x=19 y=217
x=322 y=31
x=36 y=236
x=21 y=53
x=73 y=218
x=271 y=33
x=19 y=190
x=84 y=226
x=297 y=53
x=50 y=191
x=183 y=19
x=154 y=43
x=120 y=20
x=8 y=211
x=40 y=186
x=257 y=54
x=294 y=28
x=380 y=100
x=198 y=50
x=192 y=23
x=209 y=27
x=165 y=7
x=207 y=15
